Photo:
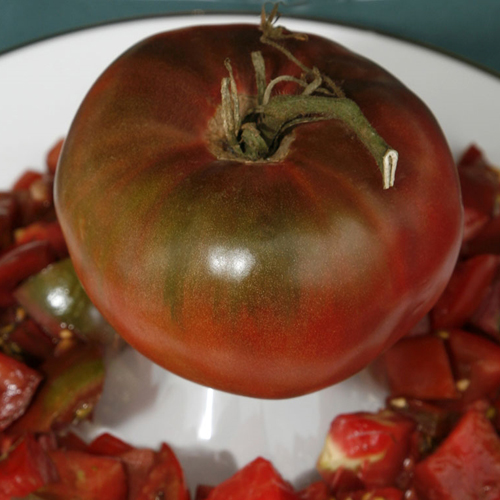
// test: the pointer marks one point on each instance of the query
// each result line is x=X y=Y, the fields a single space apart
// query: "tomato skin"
x=258 y=480
x=26 y=468
x=18 y=384
x=466 y=466
x=418 y=367
x=251 y=278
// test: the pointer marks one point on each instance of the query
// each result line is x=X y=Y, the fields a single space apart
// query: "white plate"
x=214 y=433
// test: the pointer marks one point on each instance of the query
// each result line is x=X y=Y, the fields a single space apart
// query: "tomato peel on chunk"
x=270 y=278
x=366 y=450
x=18 y=384
x=466 y=465
x=258 y=480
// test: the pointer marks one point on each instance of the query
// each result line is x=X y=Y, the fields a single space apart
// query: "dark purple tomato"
x=257 y=253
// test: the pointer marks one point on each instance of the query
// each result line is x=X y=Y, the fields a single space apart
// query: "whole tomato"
x=253 y=250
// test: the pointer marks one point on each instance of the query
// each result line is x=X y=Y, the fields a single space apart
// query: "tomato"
x=476 y=363
x=85 y=477
x=468 y=286
x=366 y=450
x=272 y=274
x=480 y=191
x=18 y=384
x=55 y=298
x=418 y=367
x=72 y=386
x=26 y=468
x=165 y=479
x=466 y=466
x=258 y=480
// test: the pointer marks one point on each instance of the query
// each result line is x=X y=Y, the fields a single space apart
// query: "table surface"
x=467 y=29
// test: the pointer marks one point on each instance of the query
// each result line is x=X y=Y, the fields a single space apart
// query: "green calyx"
x=257 y=134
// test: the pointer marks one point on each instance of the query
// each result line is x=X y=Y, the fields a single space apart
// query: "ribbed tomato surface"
x=267 y=278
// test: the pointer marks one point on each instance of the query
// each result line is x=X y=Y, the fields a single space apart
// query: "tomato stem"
x=258 y=134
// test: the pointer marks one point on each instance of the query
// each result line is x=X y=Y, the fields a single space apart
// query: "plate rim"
x=214 y=13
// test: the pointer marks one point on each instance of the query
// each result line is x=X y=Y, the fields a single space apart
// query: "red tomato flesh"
x=465 y=291
x=18 y=383
x=26 y=469
x=86 y=477
x=418 y=367
x=258 y=480
x=366 y=450
x=466 y=466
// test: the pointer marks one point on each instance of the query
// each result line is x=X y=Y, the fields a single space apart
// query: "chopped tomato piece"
x=26 y=468
x=487 y=315
x=71 y=441
x=36 y=202
x=418 y=367
x=85 y=477
x=257 y=480
x=433 y=422
x=53 y=156
x=138 y=465
x=56 y=299
x=107 y=444
x=480 y=191
x=366 y=450
x=476 y=362
x=318 y=490
x=466 y=466
x=43 y=231
x=375 y=494
x=33 y=344
x=466 y=289
x=165 y=479
x=21 y=262
x=73 y=384
x=27 y=178
x=18 y=383
x=8 y=211
x=202 y=491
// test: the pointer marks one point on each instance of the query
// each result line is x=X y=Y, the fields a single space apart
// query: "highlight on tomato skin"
x=248 y=273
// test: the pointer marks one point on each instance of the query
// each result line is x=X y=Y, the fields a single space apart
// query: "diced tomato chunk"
x=166 y=478
x=44 y=231
x=107 y=444
x=33 y=343
x=86 y=477
x=487 y=315
x=202 y=491
x=71 y=441
x=374 y=494
x=138 y=465
x=18 y=383
x=476 y=362
x=258 y=480
x=8 y=212
x=35 y=203
x=366 y=450
x=466 y=466
x=466 y=289
x=418 y=367
x=318 y=490
x=21 y=262
x=433 y=421
x=480 y=191
x=27 y=178
x=53 y=156
x=73 y=384
x=26 y=469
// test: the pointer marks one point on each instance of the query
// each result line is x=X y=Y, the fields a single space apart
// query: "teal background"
x=468 y=29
